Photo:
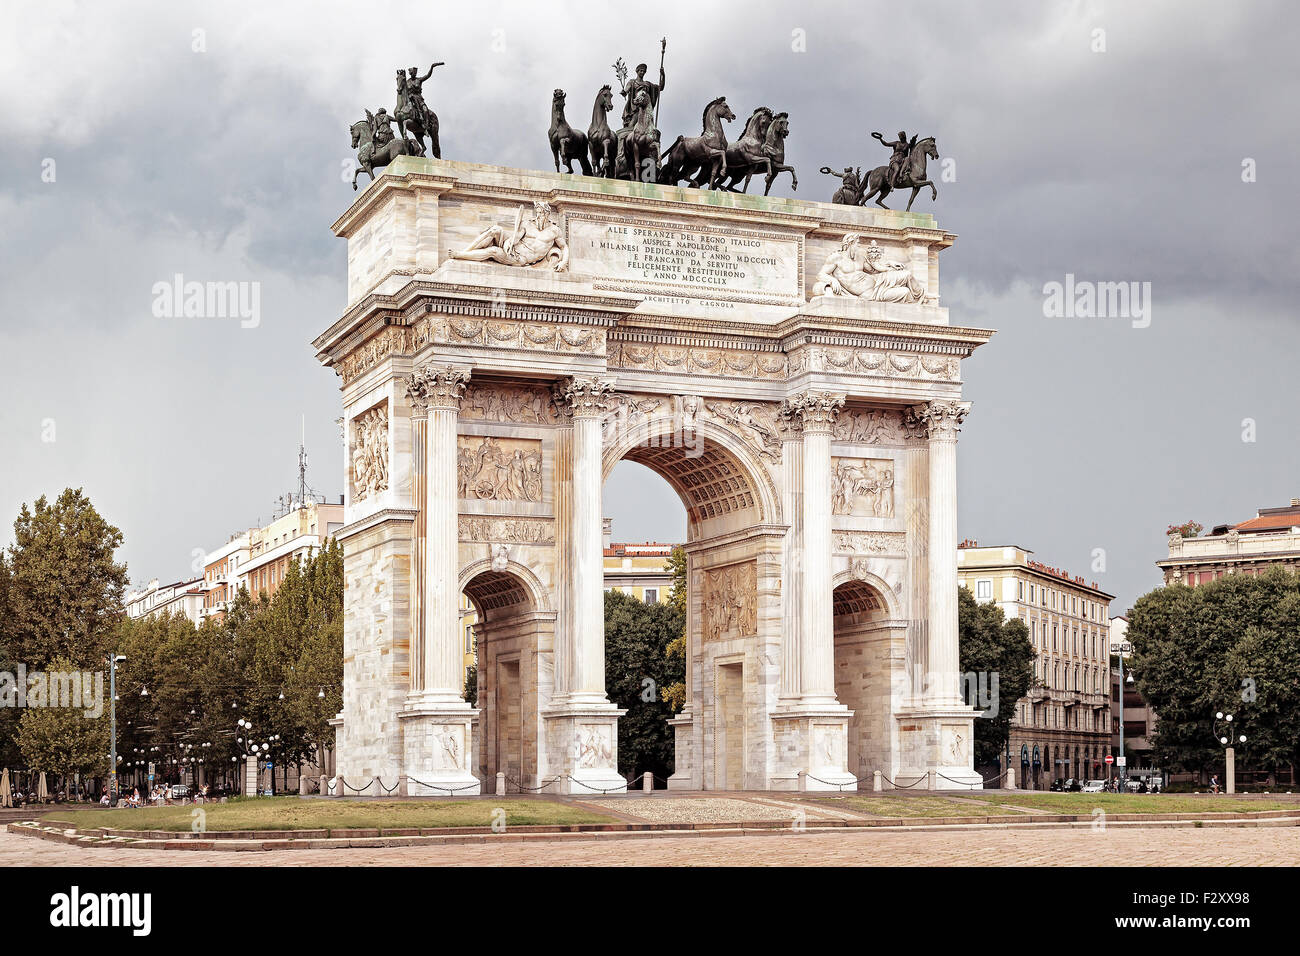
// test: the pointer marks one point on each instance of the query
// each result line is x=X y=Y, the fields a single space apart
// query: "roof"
x=646 y=549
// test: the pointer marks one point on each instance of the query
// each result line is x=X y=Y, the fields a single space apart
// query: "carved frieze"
x=370 y=453
x=739 y=363
x=441 y=329
x=890 y=364
x=522 y=404
x=499 y=469
x=862 y=486
x=869 y=542
x=594 y=745
x=731 y=601
x=513 y=530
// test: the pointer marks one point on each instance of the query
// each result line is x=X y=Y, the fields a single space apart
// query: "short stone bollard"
x=877 y=781
x=302 y=786
x=1011 y=779
x=501 y=784
x=803 y=780
x=324 y=786
x=647 y=781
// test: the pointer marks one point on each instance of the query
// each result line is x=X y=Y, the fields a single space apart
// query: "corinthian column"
x=587 y=400
x=419 y=483
x=817 y=411
x=439 y=388
x=943 y=420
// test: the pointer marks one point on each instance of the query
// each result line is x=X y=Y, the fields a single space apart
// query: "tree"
x=637 y=636
x=64 y=588
x=1228 y=645
x=64 y=740
x=993 y=648
x=674 y=693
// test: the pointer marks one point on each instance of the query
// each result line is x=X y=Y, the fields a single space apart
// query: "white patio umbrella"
x=42 y=789
x=6 y=790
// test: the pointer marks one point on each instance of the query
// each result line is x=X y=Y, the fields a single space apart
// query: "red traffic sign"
x=1109 y=759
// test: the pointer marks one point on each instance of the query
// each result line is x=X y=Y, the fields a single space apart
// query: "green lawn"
x=1085 y=803
x=291 y=813
x=917 y=806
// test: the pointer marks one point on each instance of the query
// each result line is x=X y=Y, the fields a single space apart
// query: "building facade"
x=293 y=536
x=1062 y=727
x=154 y=600
x=1270 y=539
x=221 y=575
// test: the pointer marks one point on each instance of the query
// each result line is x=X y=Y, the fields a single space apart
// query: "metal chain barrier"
x=356 y=789
x=839 y=786
x=909 y=786
x=523 y=789
x=434 y=786
x=387 y=789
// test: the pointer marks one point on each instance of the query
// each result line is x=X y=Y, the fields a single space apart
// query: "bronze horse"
x=690 y=155
x=760 y=147
x=567 y=143
x=601 y=140
x=371 y=158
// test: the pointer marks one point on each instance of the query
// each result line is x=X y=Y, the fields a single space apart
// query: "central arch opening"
x=724 y=497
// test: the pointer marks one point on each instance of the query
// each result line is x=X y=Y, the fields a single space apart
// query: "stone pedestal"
x=436 y=749
x=814 y=743
x=582 y=746
x=938 y=744
x=686 y=774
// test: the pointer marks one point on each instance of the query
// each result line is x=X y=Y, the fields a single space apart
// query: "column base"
x=684 y=775
x=936 y=745
x=436 y=750
x=811 y=744
x=582 y=747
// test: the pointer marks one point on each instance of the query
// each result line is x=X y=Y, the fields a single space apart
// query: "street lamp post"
x=1229 y=752
x=113 y=661
x=1120 y=649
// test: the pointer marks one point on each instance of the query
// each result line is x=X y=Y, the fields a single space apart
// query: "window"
x=1020 y=590
x=1053 y=637
x=984 y=590
x=652 y=595
x=1031 y=594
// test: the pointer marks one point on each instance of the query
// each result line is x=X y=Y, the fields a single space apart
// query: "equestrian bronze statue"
x=414 y=118
x=692 y=155
x=906 y=170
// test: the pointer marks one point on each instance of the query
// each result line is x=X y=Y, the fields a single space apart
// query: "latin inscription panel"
x=693 y=263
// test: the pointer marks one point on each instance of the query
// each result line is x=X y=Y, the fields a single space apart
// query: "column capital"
x=583 y=397
x=938 y=420
x=814 y=410
x=436 y=386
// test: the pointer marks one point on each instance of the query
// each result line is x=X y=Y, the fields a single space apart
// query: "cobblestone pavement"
x=707 y=809
x=1181 y=846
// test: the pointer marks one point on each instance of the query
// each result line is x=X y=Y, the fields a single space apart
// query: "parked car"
x=179 y=791
x=1094 y=786
x=1057 y=785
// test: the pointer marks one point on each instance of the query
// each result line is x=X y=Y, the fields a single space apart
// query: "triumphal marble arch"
x=785 y=365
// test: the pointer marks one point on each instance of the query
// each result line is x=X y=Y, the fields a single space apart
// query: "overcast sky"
x=224 y=163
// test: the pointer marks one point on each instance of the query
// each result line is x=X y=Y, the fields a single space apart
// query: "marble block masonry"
x=785 y=366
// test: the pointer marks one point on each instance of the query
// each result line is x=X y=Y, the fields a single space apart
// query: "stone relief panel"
x=499 y=469
x=870 y=542
x=522 y=404
x=869 y=426
x=953 y=738
x=370 y=453
x=755 y=422
x=731 y=601
x=862 y=486
x=827 y=745
x=860 y=270
x=594 y=744
x=516 y=530
x=449 y=749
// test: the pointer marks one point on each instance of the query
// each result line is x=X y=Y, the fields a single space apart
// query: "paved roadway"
x=1181 y=846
